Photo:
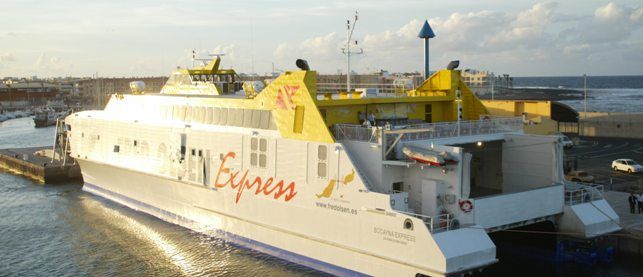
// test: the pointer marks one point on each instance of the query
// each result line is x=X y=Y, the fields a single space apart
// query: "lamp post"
x=9 y=83
x=585 y=89
x=426 y=33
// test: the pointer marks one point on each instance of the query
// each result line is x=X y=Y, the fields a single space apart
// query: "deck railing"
x=429 y=130
x=440 y=223
x=579 y=193
x=356 y=132
x=391 y=89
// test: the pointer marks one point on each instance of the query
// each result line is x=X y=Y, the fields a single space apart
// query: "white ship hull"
x=178 y=202
x=266 y=173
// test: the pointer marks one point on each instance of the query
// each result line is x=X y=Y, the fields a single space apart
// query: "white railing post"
x=431 y=223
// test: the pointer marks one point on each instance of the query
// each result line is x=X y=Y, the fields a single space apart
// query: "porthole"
x=408 y=224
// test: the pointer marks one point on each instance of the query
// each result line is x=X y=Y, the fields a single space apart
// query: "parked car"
x=579 y=176
x=627 y=165
x=567 y=143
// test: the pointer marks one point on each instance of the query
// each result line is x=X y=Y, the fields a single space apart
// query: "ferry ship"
x=403 y=183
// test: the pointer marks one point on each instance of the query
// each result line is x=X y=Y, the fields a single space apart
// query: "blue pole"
x=426 y=58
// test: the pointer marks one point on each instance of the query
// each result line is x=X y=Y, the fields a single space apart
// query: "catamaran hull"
x=173 y=201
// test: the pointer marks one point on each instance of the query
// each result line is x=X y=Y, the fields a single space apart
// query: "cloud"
x=7 y=57
x=53 y=64
x=637 y=15
x=230 y=51
x=40 y=62
x=541 y=37
x=322 y=52
x=538 y=36
x=610 y=24
x=527 y=28
x=609 y=12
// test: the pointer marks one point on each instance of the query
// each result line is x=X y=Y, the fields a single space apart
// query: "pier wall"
x=601 y=124
x=40 y=168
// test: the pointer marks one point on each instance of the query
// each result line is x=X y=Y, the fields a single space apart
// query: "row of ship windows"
x=258 y=153
x=258 y=150
x=248 y=118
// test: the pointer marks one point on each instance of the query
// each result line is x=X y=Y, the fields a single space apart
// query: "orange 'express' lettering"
x=243 y=183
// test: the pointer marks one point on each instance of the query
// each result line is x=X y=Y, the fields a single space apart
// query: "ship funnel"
x=453 y=65
x=302 y=64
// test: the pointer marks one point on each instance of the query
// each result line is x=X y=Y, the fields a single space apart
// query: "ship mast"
x=347 y=50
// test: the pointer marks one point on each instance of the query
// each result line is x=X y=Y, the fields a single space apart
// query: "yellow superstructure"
x=435 y=100
x=536 y=114
x=292 y=105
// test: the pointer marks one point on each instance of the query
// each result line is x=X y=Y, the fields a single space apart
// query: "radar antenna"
x=347 y=50
x=204 y=61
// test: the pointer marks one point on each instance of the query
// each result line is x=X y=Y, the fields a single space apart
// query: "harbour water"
x=56 y=230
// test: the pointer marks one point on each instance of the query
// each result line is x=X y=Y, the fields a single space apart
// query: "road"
x=595 y=155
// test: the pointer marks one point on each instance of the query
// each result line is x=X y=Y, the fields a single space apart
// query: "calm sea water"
x=604 y=93
x=56 y=230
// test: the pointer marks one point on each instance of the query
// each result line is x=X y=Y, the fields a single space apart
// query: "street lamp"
x=585 y=89
x=9 y=83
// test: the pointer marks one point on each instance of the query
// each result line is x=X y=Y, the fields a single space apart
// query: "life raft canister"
x=465 y=205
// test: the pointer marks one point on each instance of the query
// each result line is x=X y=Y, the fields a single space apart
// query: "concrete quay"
x=630 y=239
x=37 y=163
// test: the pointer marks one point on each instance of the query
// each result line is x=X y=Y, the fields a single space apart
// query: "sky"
x=151 y=38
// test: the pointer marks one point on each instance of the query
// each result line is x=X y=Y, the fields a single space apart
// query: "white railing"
x=429 y=130
x=356 y=132
x=379 y=88
x=579 y=193
x=440 y=223
x=458 y=129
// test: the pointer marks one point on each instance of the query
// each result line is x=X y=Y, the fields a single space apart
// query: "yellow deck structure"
x=435 y=100
x=537 y=115
x=298 y=111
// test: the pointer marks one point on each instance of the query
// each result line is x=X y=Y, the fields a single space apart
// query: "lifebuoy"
x=465 y=205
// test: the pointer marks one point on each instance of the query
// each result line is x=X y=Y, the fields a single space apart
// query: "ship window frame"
x=322 y=161
x=258 y=152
